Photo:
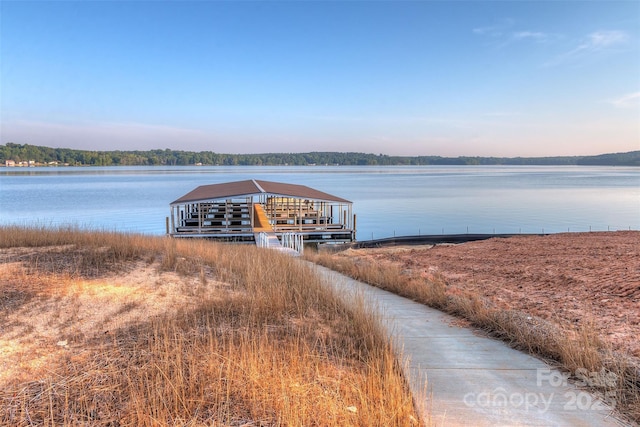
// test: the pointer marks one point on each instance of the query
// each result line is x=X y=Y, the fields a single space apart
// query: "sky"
x=447 y=78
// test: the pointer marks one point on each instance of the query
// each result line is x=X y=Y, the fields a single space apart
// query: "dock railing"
x=263 y=240
x=293 y=241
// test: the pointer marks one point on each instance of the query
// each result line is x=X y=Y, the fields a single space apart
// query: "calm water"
x=387 y=200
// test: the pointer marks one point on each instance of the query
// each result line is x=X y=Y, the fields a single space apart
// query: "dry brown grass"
x=578 y=350
x=114 y=329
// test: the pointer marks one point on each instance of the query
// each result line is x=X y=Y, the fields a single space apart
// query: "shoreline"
x=436 y=239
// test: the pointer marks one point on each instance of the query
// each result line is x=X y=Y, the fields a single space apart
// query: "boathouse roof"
x=254 y=186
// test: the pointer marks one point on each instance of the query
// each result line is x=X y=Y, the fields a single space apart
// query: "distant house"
x=10 y=163
x=239 y=211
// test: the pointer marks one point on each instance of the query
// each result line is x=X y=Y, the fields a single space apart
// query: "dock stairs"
x=266 y=237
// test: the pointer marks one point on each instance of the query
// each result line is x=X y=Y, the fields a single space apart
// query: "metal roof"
x=253 y=186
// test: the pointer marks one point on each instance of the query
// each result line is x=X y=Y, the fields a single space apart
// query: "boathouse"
x=242 y=210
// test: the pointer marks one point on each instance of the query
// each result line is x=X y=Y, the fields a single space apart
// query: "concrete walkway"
x=460 y=378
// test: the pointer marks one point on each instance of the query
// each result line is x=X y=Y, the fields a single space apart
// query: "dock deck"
x=261 y=222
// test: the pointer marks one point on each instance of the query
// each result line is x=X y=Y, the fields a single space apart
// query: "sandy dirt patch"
x=43 y=316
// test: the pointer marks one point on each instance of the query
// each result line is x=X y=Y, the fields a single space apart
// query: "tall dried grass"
x=578 y=350
x=276 y=348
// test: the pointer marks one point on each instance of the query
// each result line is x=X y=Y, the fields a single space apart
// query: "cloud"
x=494 y=31
x=497 y=30
x=595 y=43
x=598 y=42
x=99 y=135
x=630 y=100
x=531 y=35
x=603 y=39
x=502 y=35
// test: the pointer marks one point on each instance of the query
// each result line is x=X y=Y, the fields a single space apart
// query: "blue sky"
x=450 y=78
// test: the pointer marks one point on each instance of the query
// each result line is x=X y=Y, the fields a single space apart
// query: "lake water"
x=388 y=201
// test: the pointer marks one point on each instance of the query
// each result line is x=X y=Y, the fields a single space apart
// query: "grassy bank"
x=206 y=334
x=577 y=350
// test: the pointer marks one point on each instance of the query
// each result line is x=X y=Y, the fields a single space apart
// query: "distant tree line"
x=167 y=157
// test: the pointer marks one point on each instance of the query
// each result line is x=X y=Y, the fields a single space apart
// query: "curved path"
x=459 y=378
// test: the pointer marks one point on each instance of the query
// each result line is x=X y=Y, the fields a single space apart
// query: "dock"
x=243 y=211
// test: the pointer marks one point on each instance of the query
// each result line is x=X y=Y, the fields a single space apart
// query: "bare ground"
x=57 y=313
x=568 y=278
